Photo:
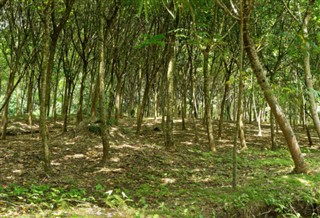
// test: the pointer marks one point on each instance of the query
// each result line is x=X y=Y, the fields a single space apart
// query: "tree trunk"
x=43 y=89
x=223 y=103
x=131 y=99
x=155 y=106
x=307 y=71
x=6 y=105
x=211 y=142
x=251 y=100
x=184 y=99
x=95 y=98
x=143 y=105
x=82 y=88
x=240 y=123
x=102 y=69
x=55 y=96
x=30 y=100
x=300 y=164
x=118 y=99
x=305 y=121
x=54 y=36
x=169 y=101
x=273 y=135
x=65 y=105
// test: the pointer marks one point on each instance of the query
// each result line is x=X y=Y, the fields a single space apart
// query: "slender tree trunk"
x=56 y=30
x=55 y=95
x=169 y=101
x=111 y=99
x=273 y=135
x=211 y=142
x=193 y=105
x=43 y=89
x=223 y=103
x=155 y=106
x=143 y=105
x=65 y=105
x=251 y=100
x=118 y=99
x=30 y=100
x=176 y=101
x=240 y=124
x=131 y=99
x=300 y=164
x=82 y=88
x=18 y=96
x=184 y=99
x=6 y=105
x=163 y=99
x=305 y=120
x=307 y=71
x=95 y=98
x=102 y=69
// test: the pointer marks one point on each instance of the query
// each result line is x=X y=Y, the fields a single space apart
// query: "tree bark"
x=30 y=100
x=240 y=123
x=184 y=99
x=307 y=70
x=143 y=104
x=6 y=105
x=169 y=101
x=43 y=89
x=208 y=118
x=223 y=103
x=82 y=88
x=118 y=99
x=102 y=68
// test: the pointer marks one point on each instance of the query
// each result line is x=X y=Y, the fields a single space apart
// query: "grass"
x=186 y=182
x=263 y=184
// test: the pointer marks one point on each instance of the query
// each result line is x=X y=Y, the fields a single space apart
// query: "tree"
x=307 y=69
x=300 y=164
x=104 y=27
x=43 y=87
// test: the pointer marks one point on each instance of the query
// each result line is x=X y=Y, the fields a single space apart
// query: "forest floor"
x=143 y=179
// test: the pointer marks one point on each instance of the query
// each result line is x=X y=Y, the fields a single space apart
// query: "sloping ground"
x=142 y=178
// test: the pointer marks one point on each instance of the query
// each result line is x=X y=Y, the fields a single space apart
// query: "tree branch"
x=225 y=8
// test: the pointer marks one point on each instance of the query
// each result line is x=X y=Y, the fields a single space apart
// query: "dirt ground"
x=134 y=160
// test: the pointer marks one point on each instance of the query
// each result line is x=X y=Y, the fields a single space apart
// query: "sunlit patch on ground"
x=150 y=174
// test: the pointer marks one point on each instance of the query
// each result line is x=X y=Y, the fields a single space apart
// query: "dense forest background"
x=202 y=71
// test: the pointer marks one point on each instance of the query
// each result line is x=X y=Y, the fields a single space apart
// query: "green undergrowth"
x=265 y=187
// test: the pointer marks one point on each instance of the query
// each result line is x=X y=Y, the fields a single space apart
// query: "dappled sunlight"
x=54 y=163
x=70 y=143
x=283 y=170
x=186 y=143
x=224 y=140
x=166 y=181
x=18 y=171
x=201 y=179
x=74 y=156
x=123 y=146
x=304 y=181
x=109 y=170
x=115 y=159
x=143 y=166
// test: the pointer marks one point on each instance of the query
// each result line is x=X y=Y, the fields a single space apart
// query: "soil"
x=134 y=160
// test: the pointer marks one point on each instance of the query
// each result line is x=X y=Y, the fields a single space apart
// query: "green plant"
x=116 y=199
x=242 y=200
